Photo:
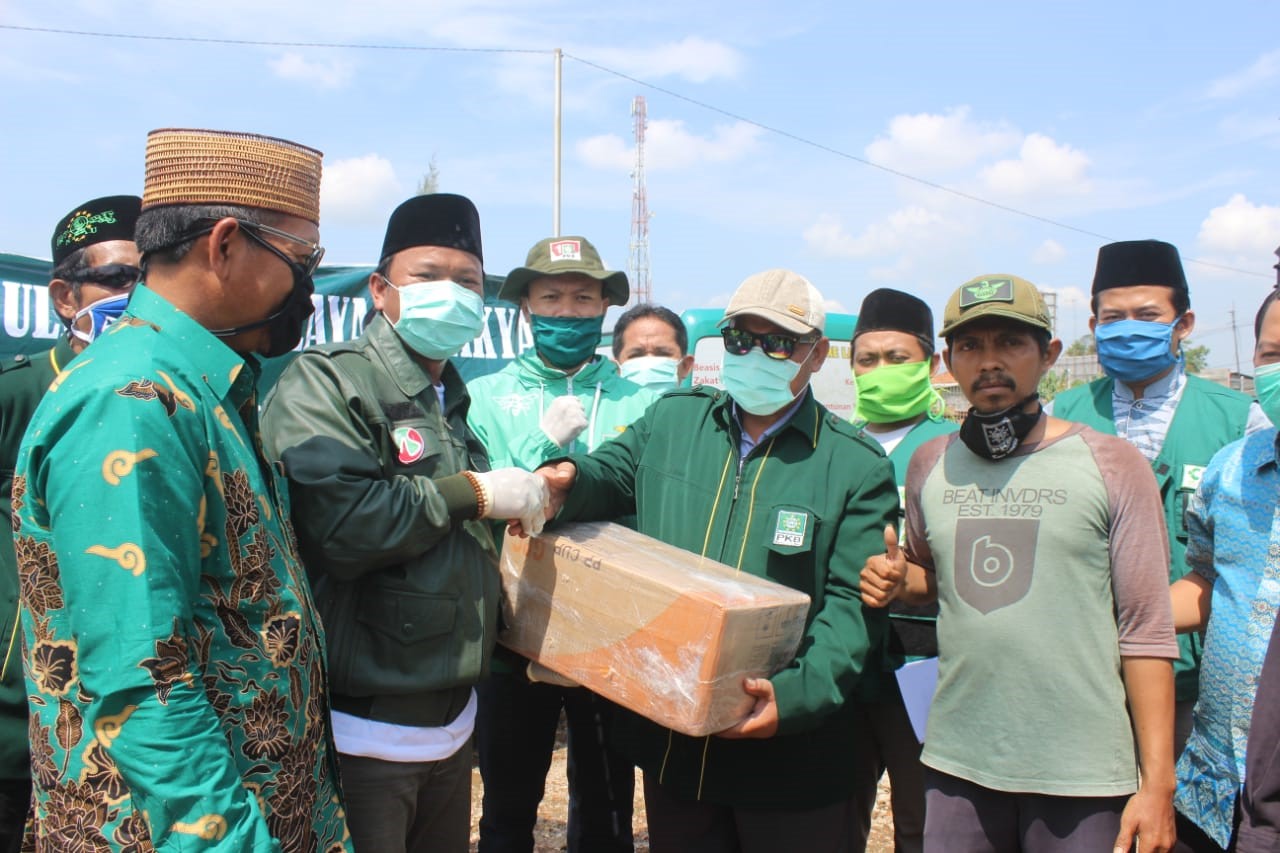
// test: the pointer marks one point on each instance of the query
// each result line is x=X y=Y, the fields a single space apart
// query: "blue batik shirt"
x=1233 y=523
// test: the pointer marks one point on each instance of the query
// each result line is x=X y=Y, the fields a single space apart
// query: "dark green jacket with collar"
x=23 y=382
x=679 y=470
x=406 y=583
x=1208 y=418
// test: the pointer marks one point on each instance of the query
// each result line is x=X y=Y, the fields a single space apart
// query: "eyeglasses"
x=114 y=276
x=776 y=345
x=312 y=261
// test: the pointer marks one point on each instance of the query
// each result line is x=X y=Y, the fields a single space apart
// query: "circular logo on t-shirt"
x=411 y=445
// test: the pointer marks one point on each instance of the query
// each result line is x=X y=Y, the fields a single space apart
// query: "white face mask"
x=652 y=371
x=438 y=318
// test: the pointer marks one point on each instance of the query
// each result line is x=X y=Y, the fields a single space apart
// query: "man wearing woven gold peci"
x=173 y=656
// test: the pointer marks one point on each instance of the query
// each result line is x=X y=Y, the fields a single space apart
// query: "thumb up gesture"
x=884 y=575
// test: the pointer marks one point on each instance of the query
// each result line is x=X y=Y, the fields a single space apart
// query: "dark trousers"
x=894 y=748
x=15 y=802
x=408 y=807
x=686 y=826
x=515 y=732
x=966 y=818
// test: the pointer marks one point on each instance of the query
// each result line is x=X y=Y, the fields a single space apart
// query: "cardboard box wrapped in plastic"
x=647 y=625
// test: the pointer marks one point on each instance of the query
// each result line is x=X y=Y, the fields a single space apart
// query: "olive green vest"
x=1208 y=417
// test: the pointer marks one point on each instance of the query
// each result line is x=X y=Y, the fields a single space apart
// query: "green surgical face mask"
x=1266 y=384
x=895 y=392
x=566 y=342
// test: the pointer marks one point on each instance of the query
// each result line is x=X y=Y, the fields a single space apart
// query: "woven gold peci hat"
x=226 y=167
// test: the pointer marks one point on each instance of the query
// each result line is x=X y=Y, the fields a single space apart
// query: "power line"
x=260 y=43
x=777 y=131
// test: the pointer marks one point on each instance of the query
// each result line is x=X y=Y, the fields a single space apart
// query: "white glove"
x=514 y=493
x=564 y=419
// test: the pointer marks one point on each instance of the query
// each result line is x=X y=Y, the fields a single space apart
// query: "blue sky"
x=1104 y=118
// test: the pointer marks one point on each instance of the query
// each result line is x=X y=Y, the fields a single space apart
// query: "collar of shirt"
x=1261 y=450
x=408 y=375
x=1155 y=394
x=228 y=374
x=746 y=443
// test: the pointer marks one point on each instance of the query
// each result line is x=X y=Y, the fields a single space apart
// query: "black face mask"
x=287 y=323
x=996 y=435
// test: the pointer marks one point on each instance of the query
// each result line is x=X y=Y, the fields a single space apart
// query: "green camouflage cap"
x=561 y=255
x=996 y=296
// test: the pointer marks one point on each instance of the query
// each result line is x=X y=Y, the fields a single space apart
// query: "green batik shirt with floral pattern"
x=173 y=657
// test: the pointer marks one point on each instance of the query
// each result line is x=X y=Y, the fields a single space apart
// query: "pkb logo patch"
x=410 y=443
x=791 y=528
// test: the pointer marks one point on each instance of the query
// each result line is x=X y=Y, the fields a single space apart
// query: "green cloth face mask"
x=895 y=392
x=566 y=342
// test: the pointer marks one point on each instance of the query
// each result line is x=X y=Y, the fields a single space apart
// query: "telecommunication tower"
x=638 y=262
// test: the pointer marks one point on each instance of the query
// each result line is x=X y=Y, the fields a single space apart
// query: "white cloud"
x=902 y=228
x=932 y=143
x=1042 y=165
x=1262 y=71
x=1241 y=228
x=358 y=190
x=669 y=146
x=333 y=74
x=695 y=59
x=1069 y=297
x=1048 y=252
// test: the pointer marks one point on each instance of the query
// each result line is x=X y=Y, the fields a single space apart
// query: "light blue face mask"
x=1134 y=350
x=1266 y=384
x=102 y=313
x=759 y=384
x=438 y=318
x=652 y=371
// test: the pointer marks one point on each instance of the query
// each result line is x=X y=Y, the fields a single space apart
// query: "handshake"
x=524 y=499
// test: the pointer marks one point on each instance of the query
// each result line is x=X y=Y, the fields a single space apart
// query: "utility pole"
x=555 y=144
x=1235 y=337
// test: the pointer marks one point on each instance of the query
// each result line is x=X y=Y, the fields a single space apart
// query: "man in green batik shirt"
x=174 y=661
x=95 y=265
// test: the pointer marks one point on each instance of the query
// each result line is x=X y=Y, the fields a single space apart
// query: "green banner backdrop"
x=29 y=325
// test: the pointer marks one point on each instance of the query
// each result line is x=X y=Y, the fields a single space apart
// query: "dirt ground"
x=549 y=834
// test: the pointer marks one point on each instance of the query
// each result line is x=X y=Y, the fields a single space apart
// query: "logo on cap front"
x=566 y=250
x=987 y=290
x=84 y=223
x=409 y=442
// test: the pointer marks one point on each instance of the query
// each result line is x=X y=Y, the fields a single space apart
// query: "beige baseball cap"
x=782 y=297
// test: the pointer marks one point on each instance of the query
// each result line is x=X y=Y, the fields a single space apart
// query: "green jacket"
x=1207 y=419
x=678 y=468
x=23 y=382
x=406 y=583
x=507 y=407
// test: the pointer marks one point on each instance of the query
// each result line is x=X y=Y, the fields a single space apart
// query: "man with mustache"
x=1043 y=543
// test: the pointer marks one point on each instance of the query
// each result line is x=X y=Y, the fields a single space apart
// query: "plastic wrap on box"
x=652 y=627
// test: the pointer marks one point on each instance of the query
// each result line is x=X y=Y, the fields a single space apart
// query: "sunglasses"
x=776 y=345
x=114 y=276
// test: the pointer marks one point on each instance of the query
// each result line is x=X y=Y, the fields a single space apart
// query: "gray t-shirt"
x=1051 y=564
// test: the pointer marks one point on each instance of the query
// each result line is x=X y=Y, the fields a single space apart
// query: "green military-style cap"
x=998 y=295
x=561 y=255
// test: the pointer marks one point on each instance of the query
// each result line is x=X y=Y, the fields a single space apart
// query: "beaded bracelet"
x=482 y=498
